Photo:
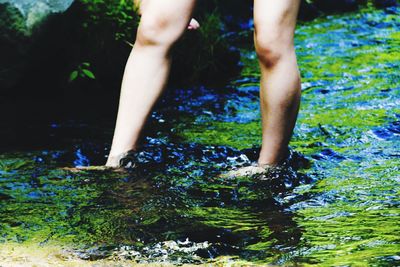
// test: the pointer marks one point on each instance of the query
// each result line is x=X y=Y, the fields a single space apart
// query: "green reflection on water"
x=360 y=222
x=350 y=216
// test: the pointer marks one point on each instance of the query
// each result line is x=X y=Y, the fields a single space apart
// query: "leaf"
x=151 y=220
x=86 y=64
x=88 y=73
x=73 y=75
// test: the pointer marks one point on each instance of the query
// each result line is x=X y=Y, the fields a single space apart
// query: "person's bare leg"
x=280 y=91
x=140 y=6
x=147 y=69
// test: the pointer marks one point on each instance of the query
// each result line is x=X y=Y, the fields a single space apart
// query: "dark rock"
x=329 y=6
x=385 y=3
x=308 y=11
x=236 y=14
x=5 y=197
x=13 y=43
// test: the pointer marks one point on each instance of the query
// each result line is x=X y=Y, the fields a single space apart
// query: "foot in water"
x=120 y=163
x=262 y=172
x=127 y=160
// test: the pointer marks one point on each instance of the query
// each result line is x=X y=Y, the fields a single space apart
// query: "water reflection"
x=339 y=205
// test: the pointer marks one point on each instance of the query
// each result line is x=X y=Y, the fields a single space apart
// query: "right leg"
x=147 y=69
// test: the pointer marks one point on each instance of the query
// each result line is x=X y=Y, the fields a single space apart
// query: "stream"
x=337 y=204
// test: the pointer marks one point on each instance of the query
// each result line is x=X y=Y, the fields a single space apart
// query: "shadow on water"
x=338 y=204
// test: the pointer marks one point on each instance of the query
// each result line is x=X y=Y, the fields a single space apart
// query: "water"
x=338 y=205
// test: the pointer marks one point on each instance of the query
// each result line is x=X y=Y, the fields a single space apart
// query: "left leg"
x=140 y=5
x=147 y=69
x=280 y=91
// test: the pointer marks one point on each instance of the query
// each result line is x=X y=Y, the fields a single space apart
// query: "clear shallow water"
x=338 y=206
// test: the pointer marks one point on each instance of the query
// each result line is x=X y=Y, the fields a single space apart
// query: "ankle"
x=266 y=164
x=114 y=159
x=271 y=160
x=116 y=152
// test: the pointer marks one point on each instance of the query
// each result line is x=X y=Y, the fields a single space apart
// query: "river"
x=337 y=205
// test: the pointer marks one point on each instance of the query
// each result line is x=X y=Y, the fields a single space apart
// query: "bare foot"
x=250 y=171
x=243 y=171
x=93 y=168
x=126 y=160
x=119 y=163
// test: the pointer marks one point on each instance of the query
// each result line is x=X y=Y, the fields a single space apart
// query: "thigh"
x=276 y=17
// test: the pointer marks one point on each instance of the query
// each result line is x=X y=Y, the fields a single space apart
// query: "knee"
x=271 y=46
x=154 y=32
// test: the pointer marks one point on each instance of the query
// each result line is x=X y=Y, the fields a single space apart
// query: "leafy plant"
x=120 y=15
x=82 y=71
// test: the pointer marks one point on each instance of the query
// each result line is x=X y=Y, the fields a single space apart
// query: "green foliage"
x=14 y=42
x=118 y=14
x=12 y=23
x=204 y=55
x=83 y=72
